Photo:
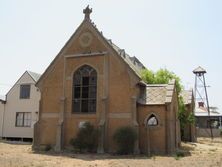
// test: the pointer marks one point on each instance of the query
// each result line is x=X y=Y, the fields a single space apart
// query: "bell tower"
x=200 y=93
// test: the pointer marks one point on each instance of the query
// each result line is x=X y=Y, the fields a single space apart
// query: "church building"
x=93 y=80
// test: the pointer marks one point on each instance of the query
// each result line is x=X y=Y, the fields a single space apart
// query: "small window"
x=25 y=91
x=152 y=121
x=23 y=119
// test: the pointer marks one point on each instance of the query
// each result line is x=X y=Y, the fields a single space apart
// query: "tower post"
x=200 y=92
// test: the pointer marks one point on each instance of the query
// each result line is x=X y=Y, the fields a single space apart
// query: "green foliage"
x=86 y=139
x=148 y=76
x=125 y=138
x=191 y=118
x=179 y=154
x=162 y=76
x=181 y=115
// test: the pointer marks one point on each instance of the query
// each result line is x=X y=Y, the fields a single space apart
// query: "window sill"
x=83 y=115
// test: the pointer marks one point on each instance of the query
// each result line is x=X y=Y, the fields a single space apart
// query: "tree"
x=162 y=76
x=148 y=76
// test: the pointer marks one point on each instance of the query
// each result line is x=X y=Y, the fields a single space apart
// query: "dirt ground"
x=205 y=153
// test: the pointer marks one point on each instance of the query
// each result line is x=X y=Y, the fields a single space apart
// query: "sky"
x=179 y=35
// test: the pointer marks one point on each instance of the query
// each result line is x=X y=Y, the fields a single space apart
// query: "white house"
x=19 y=111
x=2 y=109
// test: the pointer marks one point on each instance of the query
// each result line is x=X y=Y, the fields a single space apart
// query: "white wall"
x=14 y=104
x=2 y=106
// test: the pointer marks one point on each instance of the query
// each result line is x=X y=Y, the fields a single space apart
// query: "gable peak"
x=87 y=11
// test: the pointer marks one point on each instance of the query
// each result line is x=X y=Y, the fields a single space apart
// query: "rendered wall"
x=2 y=108
x=15 y=104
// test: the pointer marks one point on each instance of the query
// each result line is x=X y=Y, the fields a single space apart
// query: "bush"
x=125 y=138
x=179 y=154
x=86 y=139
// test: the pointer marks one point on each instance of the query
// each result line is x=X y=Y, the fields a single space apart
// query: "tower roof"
x=199 y=70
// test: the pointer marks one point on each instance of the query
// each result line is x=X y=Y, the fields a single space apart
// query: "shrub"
x=86 y=139
x=179 y=154
x=125 y=138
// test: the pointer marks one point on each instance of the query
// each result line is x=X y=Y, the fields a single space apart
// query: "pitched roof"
x=35 y=76
x=202 y=112
x=199 y=70
x=157 y=94
x=134 y=64
x=187 y=96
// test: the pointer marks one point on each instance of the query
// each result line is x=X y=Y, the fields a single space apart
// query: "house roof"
x=187 y=96
x=157 y=94
x=202 y=112
x=35 y=76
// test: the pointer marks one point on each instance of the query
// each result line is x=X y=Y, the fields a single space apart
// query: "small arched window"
x=84 y=90
x=152 y=121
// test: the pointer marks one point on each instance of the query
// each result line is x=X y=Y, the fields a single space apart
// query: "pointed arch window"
x=152 y=121
x=84 y=90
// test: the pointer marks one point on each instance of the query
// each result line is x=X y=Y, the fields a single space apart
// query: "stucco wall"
x=15 y=104
x=2 y=107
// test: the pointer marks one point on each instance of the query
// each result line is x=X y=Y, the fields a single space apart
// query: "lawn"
x=204 y=153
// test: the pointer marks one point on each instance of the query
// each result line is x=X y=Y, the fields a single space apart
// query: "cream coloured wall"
x=2 y=106
x=14 y=104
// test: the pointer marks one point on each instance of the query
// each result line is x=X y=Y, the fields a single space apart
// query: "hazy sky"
x=173 y=34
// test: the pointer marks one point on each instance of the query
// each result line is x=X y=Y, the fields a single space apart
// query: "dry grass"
x=205 y=153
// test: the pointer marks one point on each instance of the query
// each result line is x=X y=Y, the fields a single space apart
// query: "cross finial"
x=87 y=11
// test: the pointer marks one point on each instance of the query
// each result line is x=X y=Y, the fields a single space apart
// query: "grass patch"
x=213 y=150
x=179 y=154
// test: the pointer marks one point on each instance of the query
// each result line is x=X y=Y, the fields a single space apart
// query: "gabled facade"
x=20 y=109
x=93 y=80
